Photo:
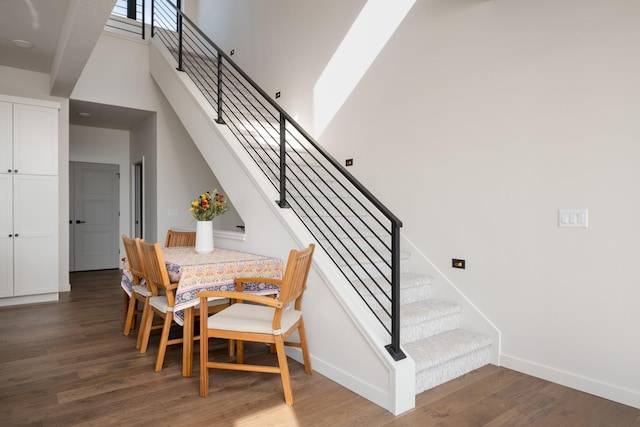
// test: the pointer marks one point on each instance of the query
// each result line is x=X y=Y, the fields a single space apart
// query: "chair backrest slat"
x=294 y=281
x=180 y=238
x=156 y=269
x=134 y=258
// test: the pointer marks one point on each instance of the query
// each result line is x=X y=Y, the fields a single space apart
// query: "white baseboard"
x=368 y=391
x=64 y=287
x=28 y=299
x=588 y=385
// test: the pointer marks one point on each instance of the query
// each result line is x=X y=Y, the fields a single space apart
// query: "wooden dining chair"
x=140 y=291
x=261 y=319
x=160 y=303
x=180 y=238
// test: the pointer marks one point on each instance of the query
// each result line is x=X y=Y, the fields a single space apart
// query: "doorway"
x=94 y=218
x=138 y=199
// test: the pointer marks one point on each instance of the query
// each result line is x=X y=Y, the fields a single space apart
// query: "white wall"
x=117 y=73
x=498 y=113
x=144 y=149
x=30 y=84
x=107 y=146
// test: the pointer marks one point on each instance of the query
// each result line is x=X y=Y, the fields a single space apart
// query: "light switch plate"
x=573 y=218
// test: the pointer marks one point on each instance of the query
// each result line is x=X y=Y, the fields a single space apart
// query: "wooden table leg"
x=187 y=344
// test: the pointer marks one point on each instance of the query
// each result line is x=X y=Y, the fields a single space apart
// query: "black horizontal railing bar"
x=353 y=234
x=291 y=121
x=257 y=120
x=357 y=230
x=350 y=267
x=346 y=262
x=338 y=182
x=251 y=124
x=312 y=194
x=351 y=194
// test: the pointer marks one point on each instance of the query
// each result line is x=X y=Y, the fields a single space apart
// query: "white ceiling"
x=63 y=34
x=37 y=21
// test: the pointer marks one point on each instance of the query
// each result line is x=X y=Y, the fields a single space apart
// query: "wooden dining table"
x=215 y=271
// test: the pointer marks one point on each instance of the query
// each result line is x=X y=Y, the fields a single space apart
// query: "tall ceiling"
x=37 y=21
x=62 y=34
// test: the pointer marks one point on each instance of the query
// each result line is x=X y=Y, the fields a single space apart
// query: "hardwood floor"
x=67 y=363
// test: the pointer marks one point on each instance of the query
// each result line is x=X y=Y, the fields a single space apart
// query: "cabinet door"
x=6 y=137
x=6 y=235
x=35 y=140
x=35 y=242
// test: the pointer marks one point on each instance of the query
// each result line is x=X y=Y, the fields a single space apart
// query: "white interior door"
x=138 y=200
x=95 y=216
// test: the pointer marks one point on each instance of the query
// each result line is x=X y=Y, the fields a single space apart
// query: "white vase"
x=204 y=237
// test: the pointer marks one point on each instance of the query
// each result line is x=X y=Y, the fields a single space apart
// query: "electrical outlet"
x=348 y=162
x=458 y=263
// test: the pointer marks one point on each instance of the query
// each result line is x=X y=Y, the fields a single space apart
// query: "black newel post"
x=283 y=164
x=153 y=11
x=220 y=119
x=131 y=9
x=179 y=28
x=394 y=347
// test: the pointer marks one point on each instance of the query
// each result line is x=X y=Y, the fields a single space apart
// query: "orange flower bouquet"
x=208 y=206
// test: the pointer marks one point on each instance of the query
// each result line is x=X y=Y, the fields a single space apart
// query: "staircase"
x=430 y=334
x=346 y=230
x=430 y=330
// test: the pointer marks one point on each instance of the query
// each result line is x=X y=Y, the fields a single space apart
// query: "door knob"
x=80 y=222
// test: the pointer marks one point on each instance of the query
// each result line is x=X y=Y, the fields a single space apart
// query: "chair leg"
x=129 y=322
x=303 y=346
x=204 y=358
x=146 y=311
x=164 y=338
x=240 y=352
x=147 y=317
x=125 y=303
x=284 y=370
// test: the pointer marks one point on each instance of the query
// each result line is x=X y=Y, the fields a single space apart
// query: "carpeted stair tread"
x=444 y=347
x=425 y=311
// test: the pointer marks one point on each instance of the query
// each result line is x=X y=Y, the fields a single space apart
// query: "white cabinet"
x=29 y=140
x=29 y=192
x=6 y=236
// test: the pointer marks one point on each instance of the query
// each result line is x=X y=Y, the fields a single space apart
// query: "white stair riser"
x=454 y=368
x=429 y=328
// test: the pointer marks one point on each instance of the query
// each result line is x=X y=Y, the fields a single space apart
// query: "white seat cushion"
x=214 y=302
x=142 y=290
x=252 y=318
x=160 y=303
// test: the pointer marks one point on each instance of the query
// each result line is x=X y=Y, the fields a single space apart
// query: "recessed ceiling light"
x=84 y=115
x=22 y=43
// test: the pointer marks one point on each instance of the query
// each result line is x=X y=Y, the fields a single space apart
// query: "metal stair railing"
x=359 y=233
x=131 y=14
